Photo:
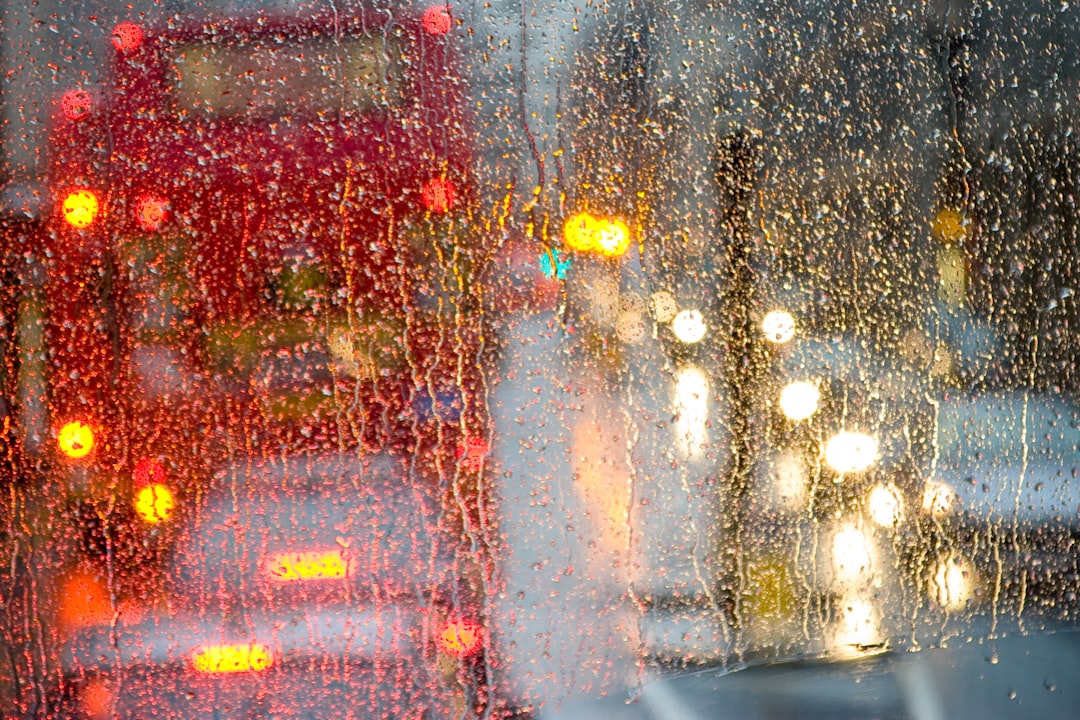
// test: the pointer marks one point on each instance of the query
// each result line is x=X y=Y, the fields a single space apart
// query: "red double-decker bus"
x=260 y=245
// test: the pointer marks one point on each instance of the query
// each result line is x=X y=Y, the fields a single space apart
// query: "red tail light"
x=126 y=37
x=436 y=20
x=471 y=453
x=84 y=601
x=76 y=104
x=438 y=195
x=147 y=471
x=460 y=637
x=150 y=212
x=98 y=698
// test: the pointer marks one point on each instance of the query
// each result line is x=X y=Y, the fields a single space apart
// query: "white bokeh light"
x=778 y=326
x=689 y=326
x=849 y=452
x=885 y=506
x=799 y=400
x=851 y=553
x=938 y=499
x=952 y=583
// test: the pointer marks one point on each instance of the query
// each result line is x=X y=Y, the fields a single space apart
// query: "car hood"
x=1015 y=677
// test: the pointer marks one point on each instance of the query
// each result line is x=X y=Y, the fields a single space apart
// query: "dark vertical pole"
x=735 y=166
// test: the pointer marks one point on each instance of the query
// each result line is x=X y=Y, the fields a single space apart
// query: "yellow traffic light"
x=80 y=208
x=154 y=503
x=75 y=439
x=585 y=233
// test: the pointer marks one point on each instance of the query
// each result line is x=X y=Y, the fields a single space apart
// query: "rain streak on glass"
x=473 y=360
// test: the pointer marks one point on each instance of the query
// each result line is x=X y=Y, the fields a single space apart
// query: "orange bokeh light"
x=76 y=104
x=80 y=208
x=84 y=602
x=151 y=212
x=234 y=658
x=436 y=20
x=438 y=195
x=459 y=637
x=75 y=439
x=126 y=37
x=98 y=698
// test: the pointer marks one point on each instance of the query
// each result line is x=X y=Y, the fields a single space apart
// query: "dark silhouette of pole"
x=735 y=166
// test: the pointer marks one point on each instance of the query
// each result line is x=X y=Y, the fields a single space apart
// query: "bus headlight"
x=799 y=400
x=849 y=452
x=952 y=583
x=885 y=506
x=850 y=553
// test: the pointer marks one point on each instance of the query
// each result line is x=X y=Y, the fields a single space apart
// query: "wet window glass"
x=643 y=359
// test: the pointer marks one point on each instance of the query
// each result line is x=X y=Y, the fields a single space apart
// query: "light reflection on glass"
x=692 y=410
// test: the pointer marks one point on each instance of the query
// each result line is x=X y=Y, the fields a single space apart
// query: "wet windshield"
x=410 y=359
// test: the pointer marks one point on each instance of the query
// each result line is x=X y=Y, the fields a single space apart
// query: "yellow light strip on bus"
x=302 y=566
x=234 y=658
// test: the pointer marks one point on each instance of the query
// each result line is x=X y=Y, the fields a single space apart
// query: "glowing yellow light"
x=950 y=226
x=80 y=208
x=664 y=306
x=612 y=238
x=851 y=553
x=584 y=233
x=689 y=326
x=154 y=503
x=849 y=452
x=799 y=400
x=459 y=637
x=778 y=326
x=75 y=439
x=241 y=657
x=938 y=500
x=885 y=507
x=951 y=583
x=303 y=566
x=579 y=232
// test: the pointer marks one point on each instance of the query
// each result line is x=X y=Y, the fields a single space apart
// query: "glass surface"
x=621 y=359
